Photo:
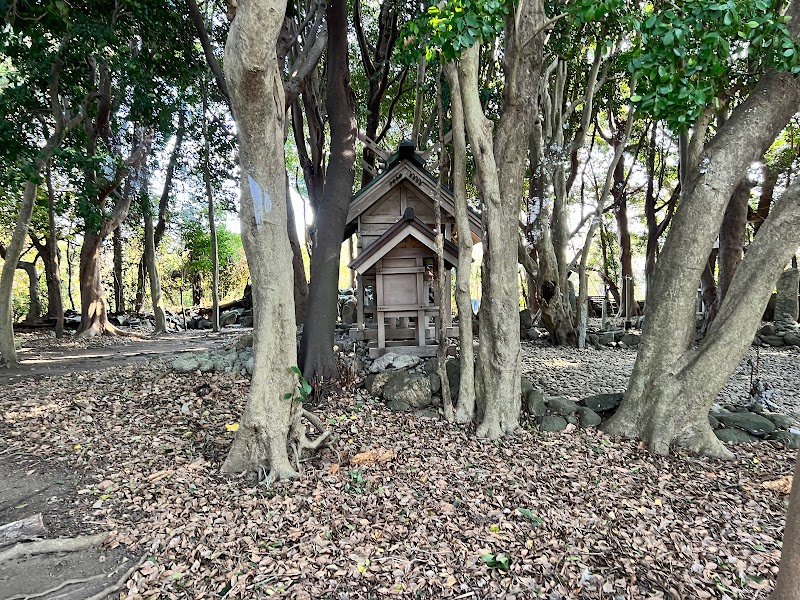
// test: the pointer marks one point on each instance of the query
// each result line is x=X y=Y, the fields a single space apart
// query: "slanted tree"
x=673 y=384
x=271 y=423
x=38 y=60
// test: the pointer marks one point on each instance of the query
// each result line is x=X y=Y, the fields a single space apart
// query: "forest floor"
x=428 y=511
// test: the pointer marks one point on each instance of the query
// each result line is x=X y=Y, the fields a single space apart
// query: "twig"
x=58 y=587
x=120 y=582
x=57 y=545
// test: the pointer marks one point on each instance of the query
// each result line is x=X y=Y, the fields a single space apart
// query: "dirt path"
x=36 y=363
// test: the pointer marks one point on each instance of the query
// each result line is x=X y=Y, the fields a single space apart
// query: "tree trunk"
x=624 y=235
x=298 y=266
x=119 y=300
x=51 y=256
x=316 y=354
x=556 y=316
x=672 y=386
x=731 y=243
x=8 y=352
x=212 y=224
x=150 y=262
x=500 y=167
x=788 y=586
x=35 y=305
x=465 y=408
x=94 y=317
x=271 y=420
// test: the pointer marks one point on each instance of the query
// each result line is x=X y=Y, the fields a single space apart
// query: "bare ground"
x=569 y=515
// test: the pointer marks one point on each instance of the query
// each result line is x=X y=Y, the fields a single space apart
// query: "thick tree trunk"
x=624 y=236
x=271 y=420
x=94 y=316
x=673 y=386
x=316 y=355
x=500 y=166
x=465 y=408
x=788 y=586
x=150 y=262
x=731 y=243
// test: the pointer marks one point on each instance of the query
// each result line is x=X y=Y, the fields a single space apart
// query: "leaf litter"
x=400 y=505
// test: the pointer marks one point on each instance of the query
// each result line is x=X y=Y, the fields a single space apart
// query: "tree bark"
x=500 y=166
x=119 y=295
x=51 y=256
x=35 y=304
x=731 y=243
x=270 y=420
x=298 y=266
x=672 y=386
x=316 y=354
x=150 y=262
x=788 y=586
x=212 y=224
x=465 y=408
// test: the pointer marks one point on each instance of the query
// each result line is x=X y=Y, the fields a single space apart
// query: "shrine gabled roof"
x=408 y=226
x=405 y=165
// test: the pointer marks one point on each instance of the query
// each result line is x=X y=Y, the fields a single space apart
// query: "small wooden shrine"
x=393 y=220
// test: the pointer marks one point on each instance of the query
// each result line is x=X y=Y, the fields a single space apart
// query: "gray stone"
x=399 y=406
x=747 y=421
x=526 y=386
x=227 y=319
x=245 y=341
x=349 y=310
x=551 y=423
x=412 y=388
x=534 y=402
x=786 y=300
x=534 y=334
x=606 y=338
x=525 y=319
x=186 y=363
x=792 y=338
x=246 y=321
x=790 y=439
x=206 y=365
x=594 y=339
x=588 y=418
x=712 y=420
x=375 y=382
x=436 y=382
x=427 y=413
x=631 y=340
x=561 y=406
x=735 y=436
x=781 y=421
x=603 y=402
x=248 y=365
x=453 y=367
x=772 y=340
x=572 y=420
x=390 y=360
x=767 y=329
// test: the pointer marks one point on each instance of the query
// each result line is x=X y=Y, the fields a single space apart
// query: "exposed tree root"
x=106 y=328
x=47 y=546
x=104 y=593
x=61 y=585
